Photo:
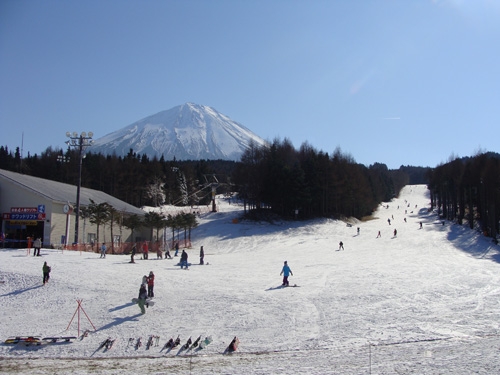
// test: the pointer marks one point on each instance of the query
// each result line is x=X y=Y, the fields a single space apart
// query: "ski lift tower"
x=214 y=184
x=214 y=189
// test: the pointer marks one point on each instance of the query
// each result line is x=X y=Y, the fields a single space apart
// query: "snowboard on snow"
x=59 y=338
x=148 y=301
x=28 y=340
x=233 y=346
x=196 y=343
x=206 y=342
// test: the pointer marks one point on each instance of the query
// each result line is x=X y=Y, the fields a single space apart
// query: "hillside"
x=425 y=301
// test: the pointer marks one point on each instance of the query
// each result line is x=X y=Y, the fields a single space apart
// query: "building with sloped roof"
x=38 y=208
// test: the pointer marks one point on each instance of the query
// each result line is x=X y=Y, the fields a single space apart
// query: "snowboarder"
x=395 y=232
x=379 y=234
x=132 y=254
x=46 y=272
x=184 y=259
x=202 y=255
x=103 y=250
x=358 y=231
x=151 y=284
x=37 y=244
x=389 y=221
x=420 y=225
x=141 y=300
x=286 y=271
x=167 y=254
x=341 y=245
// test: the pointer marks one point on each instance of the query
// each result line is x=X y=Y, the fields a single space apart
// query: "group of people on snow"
x=149 y=280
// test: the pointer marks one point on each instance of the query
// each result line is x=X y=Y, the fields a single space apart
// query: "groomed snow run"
x=424 y=302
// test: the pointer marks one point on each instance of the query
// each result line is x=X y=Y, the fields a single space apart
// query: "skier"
x=379 y=234
x=184 y=259
x=37 y=244
x=286 y=271
x=103 y=250
x=395 y=232
x=145 y=251
x=132 y=254
x=141 y=300
x=151 y=284
x=341 y=245
x=176 y=248
x=46 y=272
x=202 y=255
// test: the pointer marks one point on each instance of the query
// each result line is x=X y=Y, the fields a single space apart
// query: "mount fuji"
x=186 y=132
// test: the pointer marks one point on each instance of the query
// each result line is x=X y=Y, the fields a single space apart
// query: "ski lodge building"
x=37 y=208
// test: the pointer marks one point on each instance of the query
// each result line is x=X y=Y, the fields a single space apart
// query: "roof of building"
x=64 y=193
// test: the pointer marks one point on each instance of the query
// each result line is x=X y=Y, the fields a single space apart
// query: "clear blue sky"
x=407 y=82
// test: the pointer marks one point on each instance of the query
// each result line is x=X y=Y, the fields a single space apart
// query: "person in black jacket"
x=184 y=259
x=141 y=300
x=202 y=255
x=46 y=272
x=132 y=254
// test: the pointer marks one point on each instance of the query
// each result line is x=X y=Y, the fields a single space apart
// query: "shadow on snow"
x=118 y=321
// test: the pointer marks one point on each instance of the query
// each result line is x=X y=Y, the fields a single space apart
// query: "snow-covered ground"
x=424 y=302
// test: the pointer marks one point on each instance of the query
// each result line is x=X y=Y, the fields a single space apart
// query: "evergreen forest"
x=467 y=191
x=277 y=179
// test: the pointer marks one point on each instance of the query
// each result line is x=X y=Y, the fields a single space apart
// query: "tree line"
x=278 y=178
x=101 y=214
x=135 y=178
x=307 y=183
x=468 y=189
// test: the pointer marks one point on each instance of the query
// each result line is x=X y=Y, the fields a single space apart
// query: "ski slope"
x=423 y=302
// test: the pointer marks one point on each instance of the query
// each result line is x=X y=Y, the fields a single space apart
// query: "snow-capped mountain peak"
x=186 y=132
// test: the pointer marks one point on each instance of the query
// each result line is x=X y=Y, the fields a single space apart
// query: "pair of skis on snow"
x=153 y=340
x=138 y=342
x=189 y=345
x=106 y=344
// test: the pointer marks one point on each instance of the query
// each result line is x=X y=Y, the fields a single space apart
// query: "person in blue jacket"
x=286 y=271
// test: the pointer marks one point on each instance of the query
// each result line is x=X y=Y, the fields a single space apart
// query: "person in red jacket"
x=151 y=284
x=145 y=251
